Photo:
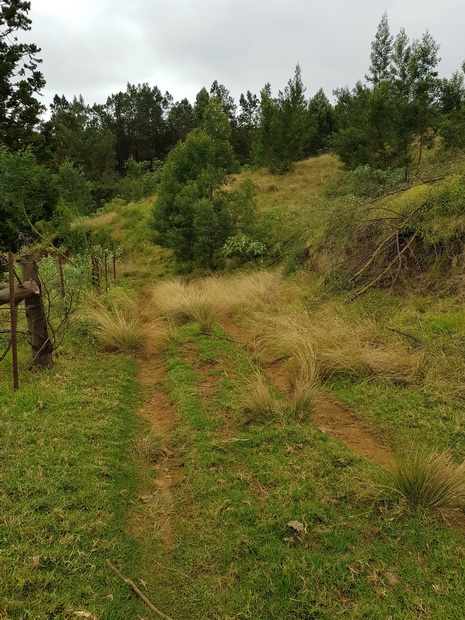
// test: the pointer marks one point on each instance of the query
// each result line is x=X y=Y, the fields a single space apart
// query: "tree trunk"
x=36 y=320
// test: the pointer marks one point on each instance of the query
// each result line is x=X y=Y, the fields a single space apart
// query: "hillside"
x=254 y=436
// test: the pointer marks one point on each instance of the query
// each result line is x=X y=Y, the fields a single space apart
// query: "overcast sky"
x=94 y=47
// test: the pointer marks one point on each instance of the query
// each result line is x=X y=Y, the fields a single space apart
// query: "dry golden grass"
x=326 y=342
x=201 y=302
x=319 y=343
x=304 y=399
x=430 y=480
x=257 y=403
x=307 y=178
x=95 y=221
x=122 y=326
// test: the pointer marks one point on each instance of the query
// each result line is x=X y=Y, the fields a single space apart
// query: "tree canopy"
x=20 y=79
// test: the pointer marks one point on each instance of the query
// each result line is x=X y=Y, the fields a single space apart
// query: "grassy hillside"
x=245 y=474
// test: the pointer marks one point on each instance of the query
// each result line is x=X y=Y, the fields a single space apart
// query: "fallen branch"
x=277 y=360
x=373 y=282
x=407 y=334
x=220 y=337
x=135 y=589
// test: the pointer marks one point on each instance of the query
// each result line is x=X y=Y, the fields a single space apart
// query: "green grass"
x=67 y=480
x=430 y=410
x=361 y=556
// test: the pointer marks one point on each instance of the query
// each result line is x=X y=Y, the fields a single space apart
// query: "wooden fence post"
x=62 y=278
x=105 y=263
x=13 y=320
x=36 y=320
x=95 y=271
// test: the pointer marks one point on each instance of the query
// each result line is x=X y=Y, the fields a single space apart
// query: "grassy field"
x=359 y=554
x=67 y=480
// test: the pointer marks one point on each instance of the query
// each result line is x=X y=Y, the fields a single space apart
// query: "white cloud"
x=95 y=47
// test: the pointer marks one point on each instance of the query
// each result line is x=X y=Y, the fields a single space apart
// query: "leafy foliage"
x=194 y=215
x=27 y=194
x=20 y=79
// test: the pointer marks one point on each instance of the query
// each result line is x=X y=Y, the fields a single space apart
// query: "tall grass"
x=257 y=402
x=325 y=342
x=303 y=399
x=197 y=301
x=320 y=342
x=429 y=480
x=119 y=322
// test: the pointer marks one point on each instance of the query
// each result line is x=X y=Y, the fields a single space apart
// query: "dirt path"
x=157 y=409
x=329 y=416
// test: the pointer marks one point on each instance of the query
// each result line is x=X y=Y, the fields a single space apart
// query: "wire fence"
x=38 y=298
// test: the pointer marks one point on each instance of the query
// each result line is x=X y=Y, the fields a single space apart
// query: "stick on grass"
x=135 y=589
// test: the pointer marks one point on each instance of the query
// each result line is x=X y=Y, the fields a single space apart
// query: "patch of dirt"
x=156 y=408
x=333 y=418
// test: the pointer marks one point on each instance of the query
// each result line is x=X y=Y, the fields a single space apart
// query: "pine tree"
x=193 y=215
x=320 y=123
x=425 y=88
x=381 y=49
x=247 y=125
x=20 y=79
x=292 y=129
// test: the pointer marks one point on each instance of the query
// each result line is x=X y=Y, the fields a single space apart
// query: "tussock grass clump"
x=257 y=403
x=325 y=342
x=150 y=447
x=202 y=302
x=430 y=479
x=120 y=324
x=304 y=399
x=261 y=290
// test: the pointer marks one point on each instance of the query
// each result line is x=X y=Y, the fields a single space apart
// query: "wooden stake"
x=142 y=596
x=95 y=271
x=62 y=279
x=114 y=267
x=105 y=267
x=13 y=320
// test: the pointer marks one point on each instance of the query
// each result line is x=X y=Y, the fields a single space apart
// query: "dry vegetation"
x=430 y=480
x=122 y=325
x=287 y=323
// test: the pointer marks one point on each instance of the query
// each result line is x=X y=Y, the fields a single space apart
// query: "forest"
x=232 y=345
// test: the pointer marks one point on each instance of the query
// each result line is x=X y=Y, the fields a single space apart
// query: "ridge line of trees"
x=83 y=156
